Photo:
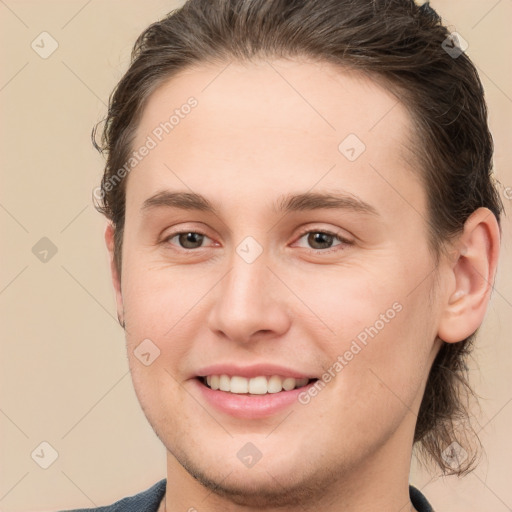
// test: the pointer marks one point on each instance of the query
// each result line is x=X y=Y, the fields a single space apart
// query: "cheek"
x=389 y=359
x=155 y=315
x=378 y=382
x=382 y=333
x=160 y=396
x=158 y=300
x=352 y=303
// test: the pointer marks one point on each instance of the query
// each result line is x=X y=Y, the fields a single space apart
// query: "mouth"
x=255 y=386
x=252 y=397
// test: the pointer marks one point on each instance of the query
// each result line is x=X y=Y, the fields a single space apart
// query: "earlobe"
x=472 y=275
x=116 y=281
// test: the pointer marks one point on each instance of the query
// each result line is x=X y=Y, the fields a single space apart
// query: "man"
x=303 y=235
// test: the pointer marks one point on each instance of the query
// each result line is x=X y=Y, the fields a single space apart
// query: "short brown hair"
x=397 y=43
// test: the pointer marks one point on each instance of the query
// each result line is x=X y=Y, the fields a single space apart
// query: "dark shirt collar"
x=419 y=501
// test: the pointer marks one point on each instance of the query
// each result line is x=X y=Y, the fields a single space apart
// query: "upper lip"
x=254 y=370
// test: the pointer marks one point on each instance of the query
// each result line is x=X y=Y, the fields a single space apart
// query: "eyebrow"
x=287 y=203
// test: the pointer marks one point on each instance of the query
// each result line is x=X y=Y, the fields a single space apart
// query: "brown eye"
x=318 y=240
x=187 y=239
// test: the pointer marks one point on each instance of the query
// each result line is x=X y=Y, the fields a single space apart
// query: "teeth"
x=255 y=386
x=275 y=384
x=239 y=385
x=224 y=383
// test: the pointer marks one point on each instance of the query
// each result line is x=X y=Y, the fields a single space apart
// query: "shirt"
x=149 y=501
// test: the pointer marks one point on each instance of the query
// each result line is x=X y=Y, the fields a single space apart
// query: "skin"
x=252 y=138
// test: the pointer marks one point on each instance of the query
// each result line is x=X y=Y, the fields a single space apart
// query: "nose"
x=250 y=303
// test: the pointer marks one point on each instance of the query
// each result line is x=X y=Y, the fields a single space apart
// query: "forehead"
x=273 y=124
x=284 y=94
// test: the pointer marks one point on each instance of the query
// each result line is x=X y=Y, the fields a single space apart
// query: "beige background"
x=64 y=372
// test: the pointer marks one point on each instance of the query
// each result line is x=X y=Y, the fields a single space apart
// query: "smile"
x=260 y=385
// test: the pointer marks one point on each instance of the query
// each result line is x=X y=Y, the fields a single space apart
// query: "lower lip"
x=250 y=406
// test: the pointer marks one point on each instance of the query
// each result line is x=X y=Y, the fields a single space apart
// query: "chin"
x=263 y=487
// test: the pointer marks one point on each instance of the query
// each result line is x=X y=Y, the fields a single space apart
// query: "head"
x=272 y=99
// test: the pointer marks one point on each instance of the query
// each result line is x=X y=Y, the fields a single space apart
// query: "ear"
x=116 y=281
x=472 y=274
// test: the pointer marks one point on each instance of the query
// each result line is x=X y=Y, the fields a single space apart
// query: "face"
x=335 y=290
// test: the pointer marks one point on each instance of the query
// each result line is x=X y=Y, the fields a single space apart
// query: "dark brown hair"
x=397 y=43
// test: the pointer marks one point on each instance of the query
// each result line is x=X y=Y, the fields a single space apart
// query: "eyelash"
x=343 y=241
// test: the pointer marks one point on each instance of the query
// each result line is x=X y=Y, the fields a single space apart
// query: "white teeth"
x=225 y=383
x=275 y=384
x=239 y=385
x=255 y=386
x=214 y=381
x=288 y=384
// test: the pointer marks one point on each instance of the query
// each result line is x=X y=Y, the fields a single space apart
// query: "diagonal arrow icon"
x=44 y=455
x=249 y=455
x=44 y=250
x=146 y=352
x=249 y=249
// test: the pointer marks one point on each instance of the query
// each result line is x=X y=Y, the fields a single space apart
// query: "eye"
x=186 y=239
x=320 y=240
